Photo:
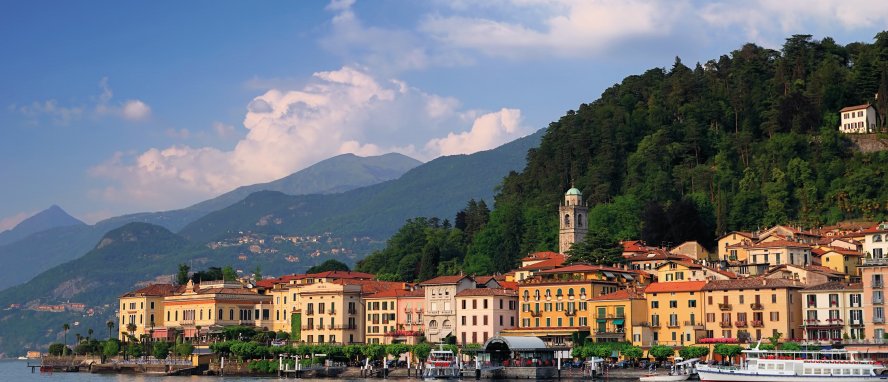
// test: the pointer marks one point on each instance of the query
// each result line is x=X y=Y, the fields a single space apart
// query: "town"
x=815 y=286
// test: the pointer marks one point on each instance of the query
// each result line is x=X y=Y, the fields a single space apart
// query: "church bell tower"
x=572 y=218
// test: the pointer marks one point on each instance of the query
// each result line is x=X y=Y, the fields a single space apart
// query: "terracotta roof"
x=371 y=286
x=484 y=279
x=822 y=269
x=342 y=275
x=685 y=263
x=780 y=244
x=677 y=286
x=545 y=264
x=635 y=246
x=585 y=268
x=722 y=272
x=622 y=294
x=855 y=107
x=158 y=290
x=221 y=290
x=751 y=283
x=509 y=285
x=542 y=256
x=658 y=254
x=748 y=235
x=487 y=292
x=842 y=251
x=389 y=293
x=444 y=280
x=835 y=285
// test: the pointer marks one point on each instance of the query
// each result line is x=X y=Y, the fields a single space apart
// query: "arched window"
x=446 y=324
x=536 y=294
x=231 y=314
x=526 y=295
x=877 y=238
x=582 y=292
x=221 y=314
x=579 y=220
x=570 y=292
x=567 y=220
x=433 y=324
x=548 y=293
x=558 y=292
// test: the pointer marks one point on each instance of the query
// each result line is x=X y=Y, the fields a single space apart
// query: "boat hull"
x=740 y=376
x=664 y=378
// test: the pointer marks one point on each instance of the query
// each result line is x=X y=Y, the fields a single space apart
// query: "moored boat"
x=441 y=364
x=796 y=366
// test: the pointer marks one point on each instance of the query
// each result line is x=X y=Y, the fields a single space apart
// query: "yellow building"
x=676 y=312
x=753 y=308
x=199 y=308
x=841 y=260
x=334 y=312
x=143 y=308
x=732 y=247
x=620 y=317
x=686 y=271
x=691 y=249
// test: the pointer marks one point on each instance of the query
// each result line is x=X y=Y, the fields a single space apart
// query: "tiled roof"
x=834 y=285
x=748 y=235
x=658 y=254
x=342 y=275
x=545 y=264
x=222 y=290
x=509 y=285
x=842 y=251
x=484 y=279
x=677 y=286
x=389 y=293
x=444 y=280
x=780 y=244
x=855 y=107
x=542 y=256
x=751 y=283
x=622 y=294
x=158 y=290
x=722 y=272
x=635 y=246
x=585 y=268
x=487 y=292
x=688 y=264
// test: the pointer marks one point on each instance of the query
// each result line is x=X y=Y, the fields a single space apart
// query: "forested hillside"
x=746 y=140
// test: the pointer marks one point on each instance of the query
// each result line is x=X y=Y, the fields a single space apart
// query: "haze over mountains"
x=53 y=237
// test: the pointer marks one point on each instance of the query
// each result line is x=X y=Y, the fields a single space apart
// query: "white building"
x=875 y=242
x=832 y=311
x=858 y=119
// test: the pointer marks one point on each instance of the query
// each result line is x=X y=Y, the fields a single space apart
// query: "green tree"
x=421 y=351
x=596 y=249
x=373 y=351
x=182 y=274
x=661 y=352
x=727 y=351
x=184 y=349
x=228 y=273
x=58 y=349
x=161 y=350
x=65 y=328
x=329 y=265
x=689 y=352
x=632 y=352
x=111 y=348
x=110 y=325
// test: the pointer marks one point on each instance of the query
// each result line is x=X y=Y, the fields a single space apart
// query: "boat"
x=681 y=371
x=441 y=364
x=796 y=366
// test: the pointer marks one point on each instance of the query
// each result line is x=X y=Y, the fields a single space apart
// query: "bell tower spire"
x=573 y=215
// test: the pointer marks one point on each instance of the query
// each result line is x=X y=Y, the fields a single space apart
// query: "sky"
x=110 y=107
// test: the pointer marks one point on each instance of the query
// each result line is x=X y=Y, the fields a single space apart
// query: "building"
x=651 y=260
x=620 y=316
x=753 y=308
x=840 y=260
x=676 y=312
x=875 y=241
x=860 y=119
x=691 y=249
x=873 y=271
x=143 y=308
x=331 y=312
x=197 y=309
x=732 y=246
x=779 y=252
x=573 y=220
x=833 y=311
x=807 y=276
x=440 y=305
x=673 y=270
x=538 y=262
x=484 y=312
x=394 y=316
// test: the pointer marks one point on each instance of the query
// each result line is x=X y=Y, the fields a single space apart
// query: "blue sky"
x=118 y=107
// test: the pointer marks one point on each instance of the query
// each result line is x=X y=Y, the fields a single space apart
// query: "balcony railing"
x=331 y=311
x=725 y=324
x=811 y=321
x=879 y=320
x=856 y=322
x=756 y=306
x=878 y=300
x=835 y=321
x=673 y=325
x=309 y=312
x=535 y=313
x=319 y=327
x=570 y=313
x=724 y=306
x=878 y=284
x=352 y=311
x=694 y=324
x=758 y=324
x=611 y=334
x=876 y=261
x=655 y=324
x=740 y=324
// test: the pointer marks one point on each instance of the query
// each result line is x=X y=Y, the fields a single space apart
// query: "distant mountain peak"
x=52 y=217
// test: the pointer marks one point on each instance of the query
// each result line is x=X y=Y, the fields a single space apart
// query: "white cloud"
x=223 y=130
x=135 y=110
x=345 y=110
x=10 y=222
x=59 y=115
x=524 y=28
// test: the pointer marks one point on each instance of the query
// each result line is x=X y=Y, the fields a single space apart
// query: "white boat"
x=441 y=364
x=681 y=371
x=796 y=366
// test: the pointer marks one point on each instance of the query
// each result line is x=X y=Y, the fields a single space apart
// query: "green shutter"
x=296 y=327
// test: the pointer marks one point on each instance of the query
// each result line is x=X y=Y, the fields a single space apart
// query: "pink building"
x=483 y=312
x=396 y=316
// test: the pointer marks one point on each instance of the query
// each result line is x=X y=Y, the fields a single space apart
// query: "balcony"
x=725 y=324
x=694 y=325
x=570 y=313
x=535 y=313
x=879 y=320
x=309 y=312
x=611 y=334
x=878 y=301
x=835 y=321
x=655 y=324
x=304 y=328
x=758 y=324
x=740 y=324
x=878 y=284
x=856 y=322
x=186 y=322
x=331 y=312
x=724 y=306
x=810 y=321
x=756 y=306
x=319 y=327
x=673 y=325
x=876 y=261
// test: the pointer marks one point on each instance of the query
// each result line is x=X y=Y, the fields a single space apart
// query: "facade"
x=873 y=272
x=440 y=317
x=875 y=241
x=200 y=308
x=779 y=252
x=807 y=276
x=732 y=246
x=573 y=220
x=620 y=317
x=860 y=119
x=833 y=311
x=841 y=260
x=394 y=316
x=143 y=308
x=691 y=249
x=484 y=312
x=676 y=312
x=686 y=271
x=331 y=312
x=754 y=308
x=536 y=262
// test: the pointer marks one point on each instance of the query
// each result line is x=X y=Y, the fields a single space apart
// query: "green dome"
x=573 y=191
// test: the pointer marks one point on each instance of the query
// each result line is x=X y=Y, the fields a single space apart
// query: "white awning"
x=608 y=274
x=628 y=277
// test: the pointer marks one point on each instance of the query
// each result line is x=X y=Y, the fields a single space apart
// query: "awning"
x=619 y=321
x=608 y=274
x=628 y=277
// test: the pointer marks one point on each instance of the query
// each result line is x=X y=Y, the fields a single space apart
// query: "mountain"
x=123 y=257
x=37 y=249
x=438 y=188
x=51 y=217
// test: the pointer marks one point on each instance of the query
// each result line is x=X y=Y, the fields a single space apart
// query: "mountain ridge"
x=52 y=217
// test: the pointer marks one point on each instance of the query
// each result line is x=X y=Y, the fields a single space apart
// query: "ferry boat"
x=441 y=364
x=681 y=371
x=796 y=366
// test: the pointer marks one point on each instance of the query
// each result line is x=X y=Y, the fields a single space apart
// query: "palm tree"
x=110 y=325
x=66 y=327
x=89 y=333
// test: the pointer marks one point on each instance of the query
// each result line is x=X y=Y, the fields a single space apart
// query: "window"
x=775 y=316
x=673 y=304
x=773 y=298
x=655 y=304
x=566 y=220
x=692 y=303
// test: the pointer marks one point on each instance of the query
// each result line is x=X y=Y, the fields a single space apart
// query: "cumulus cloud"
x=135 y=110
x=101 y=106
x=341 y=111
x=59 y=115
